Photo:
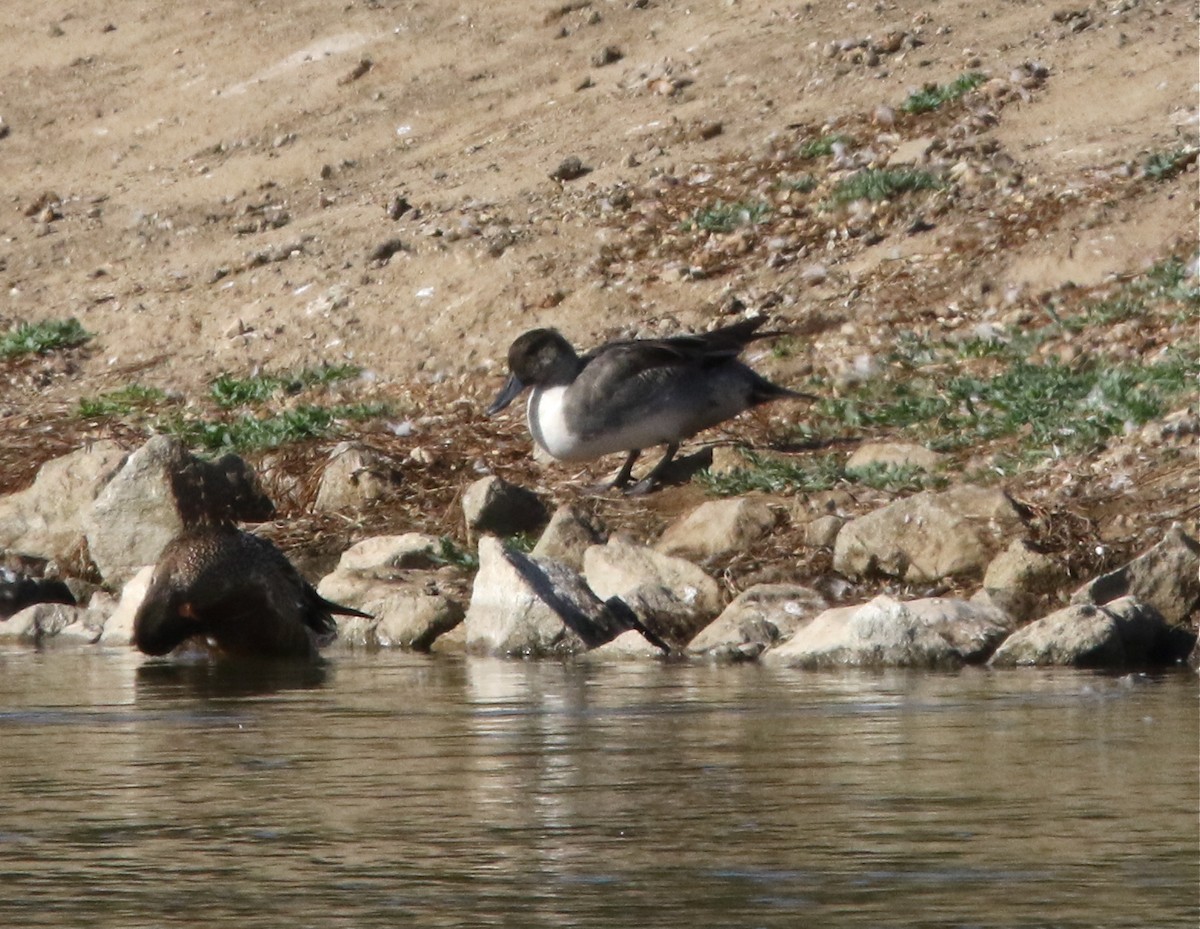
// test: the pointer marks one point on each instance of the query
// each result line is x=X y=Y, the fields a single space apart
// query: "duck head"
x=539 y=358
x=165 y=620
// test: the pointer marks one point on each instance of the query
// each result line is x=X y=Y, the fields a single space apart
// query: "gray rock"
x=929 y=536
x=757 y=619
x=973 y=630
x=620 y=567
x=718 y=527
x=118 y=628
x=1167 y=577
x=46 y=519
x=881 y=633
x=354 y=476
x=823 y=531
x=160 y=489
x=1022 y=581
x=569 y=534
x=386 y=553
x=492 y=504
x=38 y=622
x=894 y=454
x=1123 y=633
x=393 y=579
x=527 y=608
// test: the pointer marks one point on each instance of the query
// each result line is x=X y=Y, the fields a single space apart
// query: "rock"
x=160 y=489
x=389 y=552
x=823 y=531
x=881 y=633
x=569 y=169
x=527 y=608
x=895 y=455
x=625 y=647
x=757 y=619
x=1121 y=634
x=492 y=504
x=393 y=579
x=928 y=536
x=47 y=518
x=118 y=628
x=665 y=615
x=569 y=534
x=354 y=476
x=1167 y=577
x=620 y=567
x=973 y=630
x=606 y=56
x=718 y=527
x=1021 y=581
x=38 y=622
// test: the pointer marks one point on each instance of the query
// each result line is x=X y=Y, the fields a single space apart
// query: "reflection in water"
x=217 y=678
x=408 y=790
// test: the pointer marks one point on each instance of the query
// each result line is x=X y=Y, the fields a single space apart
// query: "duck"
x=629 y=395
x=237 y=591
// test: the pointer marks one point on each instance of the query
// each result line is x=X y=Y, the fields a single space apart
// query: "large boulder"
x=933 y=633
x=1023 y=581
x=1124 y=633
x=355 y=475
x=523 y=607
x=492 y=504
x=160 y=489
x=621 y=566
x=47 y=518
x=929 y=536
x=400 y=580
x=1167 y=577
x=568 y=535
x=757 y=619
x=716 y=528
x=118 y=627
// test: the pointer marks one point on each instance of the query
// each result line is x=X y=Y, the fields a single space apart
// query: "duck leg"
x=650 y=481
x=626 y=471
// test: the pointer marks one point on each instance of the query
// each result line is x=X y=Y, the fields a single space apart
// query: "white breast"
x=549 y=426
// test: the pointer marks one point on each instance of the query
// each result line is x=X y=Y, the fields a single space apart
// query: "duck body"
x=631 y=395
x=239 y=592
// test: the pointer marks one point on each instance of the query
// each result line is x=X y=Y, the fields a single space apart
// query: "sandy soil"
x=205 y=186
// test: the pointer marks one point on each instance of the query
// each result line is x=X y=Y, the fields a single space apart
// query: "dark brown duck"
x=236 y=590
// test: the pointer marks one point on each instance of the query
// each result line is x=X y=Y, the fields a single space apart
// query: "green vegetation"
x=451 y=554
x=821 y=147
x=883 y=184
x=40 y=338
x=802 y=183
x=229 y=391
x=933 y=96
x=894 y=478
x=725 y=217
x=121 y=402
x=774 y=475
x=247 y=432
x=1162 y=166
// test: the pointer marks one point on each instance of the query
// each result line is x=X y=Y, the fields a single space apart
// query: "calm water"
x=406 y=791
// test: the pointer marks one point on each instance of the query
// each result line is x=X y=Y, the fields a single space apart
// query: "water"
x=398 y=790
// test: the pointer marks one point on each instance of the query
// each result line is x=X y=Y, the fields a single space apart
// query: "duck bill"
x=512 y=388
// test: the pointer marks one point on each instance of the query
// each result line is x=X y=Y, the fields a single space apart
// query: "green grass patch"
x=40 y=338
x=121 y=402
x=883 y=184
x=1051 y=407
x=894 y=477
x=775 y=475
x=725 y=217
x=933 y=96
x=449 y=553
x=821 y=147
x=246 y=432
x=801 y=183
x=1162 y=166
x=229 y=392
